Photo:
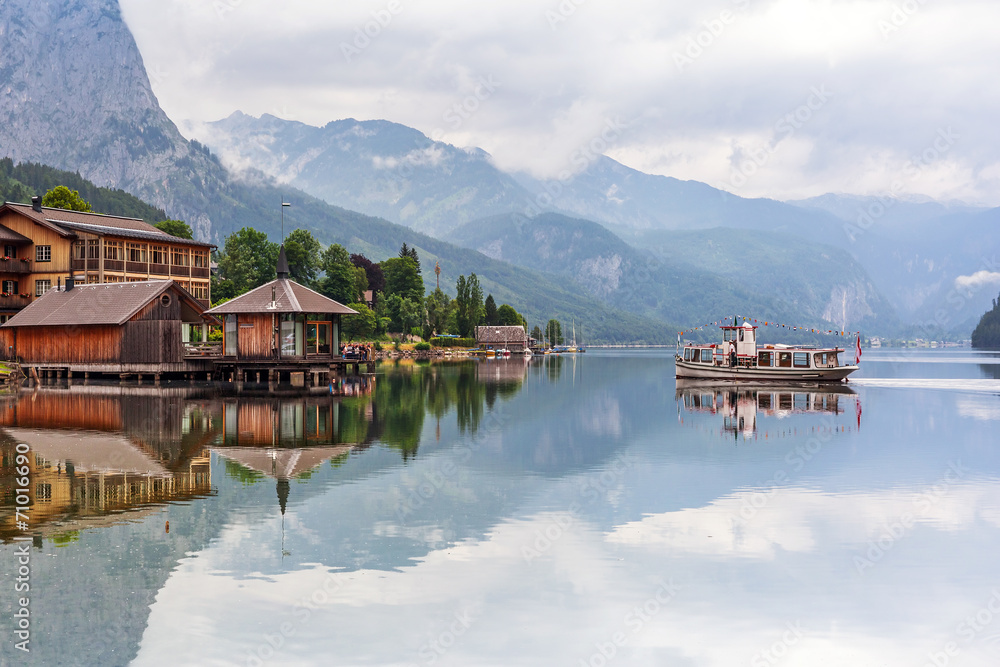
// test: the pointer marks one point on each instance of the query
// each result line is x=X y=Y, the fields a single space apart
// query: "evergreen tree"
x=490 y=311
x=987 y=332
x=468 y=305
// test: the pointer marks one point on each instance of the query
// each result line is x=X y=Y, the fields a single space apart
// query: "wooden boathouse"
x=134 y=328
x=280 y=329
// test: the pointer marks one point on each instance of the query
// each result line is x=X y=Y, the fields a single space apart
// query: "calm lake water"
x=575 y=510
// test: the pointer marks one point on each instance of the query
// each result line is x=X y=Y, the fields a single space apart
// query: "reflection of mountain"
x=741 y=407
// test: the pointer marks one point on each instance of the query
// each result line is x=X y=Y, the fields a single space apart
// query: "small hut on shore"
x=495 y=337
x=281 y=321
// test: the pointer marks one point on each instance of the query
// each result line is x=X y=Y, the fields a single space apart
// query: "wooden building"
x=281 y=322
x=134 y=327
x=43 y=245
x=513 y=338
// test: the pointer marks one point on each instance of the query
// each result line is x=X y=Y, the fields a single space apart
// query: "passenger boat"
x=739 y=357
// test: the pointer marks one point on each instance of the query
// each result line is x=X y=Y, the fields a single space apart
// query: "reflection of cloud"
x=760 y=523
x=976 y=280
x=979 y=407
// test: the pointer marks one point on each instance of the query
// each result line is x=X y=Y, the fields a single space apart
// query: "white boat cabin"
x=739 y=349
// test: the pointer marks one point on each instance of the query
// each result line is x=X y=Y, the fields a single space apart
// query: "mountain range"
x=634 y=255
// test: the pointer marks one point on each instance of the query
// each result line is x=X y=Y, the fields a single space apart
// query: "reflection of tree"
x=400 y=397
x=554 y=363
x=990 y=370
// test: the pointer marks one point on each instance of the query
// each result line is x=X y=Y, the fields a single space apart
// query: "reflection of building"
x=740 y=406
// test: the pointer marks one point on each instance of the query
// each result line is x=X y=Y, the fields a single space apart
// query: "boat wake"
x=981 y=386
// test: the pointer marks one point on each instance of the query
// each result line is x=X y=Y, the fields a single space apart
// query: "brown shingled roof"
x=289 y=297
x=63 y=222
x=111 y=303
x=500 y=334
x=10 y=236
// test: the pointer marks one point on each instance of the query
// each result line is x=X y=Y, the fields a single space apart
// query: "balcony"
x=211 y=350
x=13 y=301
x=15 y=265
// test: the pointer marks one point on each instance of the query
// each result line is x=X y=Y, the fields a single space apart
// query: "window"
x=93 y=249
x=158 y=254
x=764 y=359
x=706 y=357
x=10 y=251
x=113 y=250
x=179 y=256
x=80 y=250
x=10 y=287
x=687 y=354
x=741 y=335
x=785 y=359
x=42 y=286
x=43 y=253
x=801 y=360
x=200 y=258
x=137 y=252
x=199 y=290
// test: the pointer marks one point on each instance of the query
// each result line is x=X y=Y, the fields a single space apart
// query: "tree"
x=302 y=253
x=507 y=316
x=62 y=197
x=340 y=282
x=178 y=228
x=536 y=333
x=490 y=311
x=410 y=252
x=376 y=279
x=438 y=310
x=361 y=325
x=553 y=333
x=468 y=304
x=411 y=314
x=247 y=261
x=402 y=277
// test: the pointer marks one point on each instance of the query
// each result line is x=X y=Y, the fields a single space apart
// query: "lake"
x=573 y=510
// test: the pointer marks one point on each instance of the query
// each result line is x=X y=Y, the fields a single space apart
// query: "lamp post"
x=283 y=205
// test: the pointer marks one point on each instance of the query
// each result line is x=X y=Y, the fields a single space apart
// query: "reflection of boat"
x=740 y=358
x=741 y=405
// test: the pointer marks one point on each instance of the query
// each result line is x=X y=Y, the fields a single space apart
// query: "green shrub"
x=453 y=342
x=378 y=346
x=422 y=345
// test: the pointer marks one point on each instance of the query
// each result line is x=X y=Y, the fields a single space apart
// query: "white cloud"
x=561 y=81
x=977 y=280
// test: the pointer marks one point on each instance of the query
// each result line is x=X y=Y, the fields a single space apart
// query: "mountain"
x=381 y=168
x=76 y=96
x=691 y=276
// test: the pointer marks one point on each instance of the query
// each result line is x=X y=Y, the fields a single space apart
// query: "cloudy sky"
x=785 y=98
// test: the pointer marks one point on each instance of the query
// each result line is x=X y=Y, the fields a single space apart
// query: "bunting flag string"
x=769 y=323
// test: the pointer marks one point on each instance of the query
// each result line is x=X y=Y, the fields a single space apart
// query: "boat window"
x=763 y=358
x=687 y=354
x=741 y=335
x=785 y=359
x=697 y=355
x=801 y=360
x=706 y=356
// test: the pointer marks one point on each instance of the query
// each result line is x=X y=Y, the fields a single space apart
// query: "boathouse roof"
x=288 y=297
x=500 y=334
x=104 y=303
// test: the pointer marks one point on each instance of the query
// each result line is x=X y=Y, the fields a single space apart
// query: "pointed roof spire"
x=282 y=268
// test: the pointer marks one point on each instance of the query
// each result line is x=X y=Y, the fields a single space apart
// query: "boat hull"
x=687 y=369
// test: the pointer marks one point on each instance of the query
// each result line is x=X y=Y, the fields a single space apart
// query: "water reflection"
x=746 y=409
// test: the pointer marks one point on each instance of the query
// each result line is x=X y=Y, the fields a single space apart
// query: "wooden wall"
x=155 y=310
x=152 y=341
x=89 y=344
x=255 y=336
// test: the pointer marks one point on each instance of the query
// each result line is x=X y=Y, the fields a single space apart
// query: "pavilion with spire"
x=281 y=326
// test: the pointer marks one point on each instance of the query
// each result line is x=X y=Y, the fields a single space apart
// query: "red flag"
x=857 y=410
x=857 y=351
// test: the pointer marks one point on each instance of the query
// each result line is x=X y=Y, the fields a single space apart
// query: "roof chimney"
x=282 y=268
x=36 y=204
